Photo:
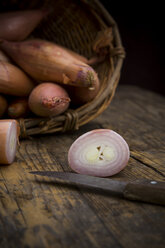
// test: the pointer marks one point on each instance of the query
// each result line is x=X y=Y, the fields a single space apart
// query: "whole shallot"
x=17 y=25
x=82 y=95
x=100 y=152
x=13 y=81
x=18 y=108
x=48 y=99
x=49 y=62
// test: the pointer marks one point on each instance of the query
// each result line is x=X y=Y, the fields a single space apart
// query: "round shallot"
x=9 y=132
x=100 y=152
x=48 y=99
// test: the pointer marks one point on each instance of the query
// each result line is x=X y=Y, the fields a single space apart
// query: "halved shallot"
x=9 y=132
x=100 y=152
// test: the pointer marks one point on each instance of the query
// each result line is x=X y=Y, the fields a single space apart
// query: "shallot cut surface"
x=9 y=132
x=100 y=152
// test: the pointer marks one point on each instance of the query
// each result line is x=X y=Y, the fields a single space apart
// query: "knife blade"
x=144 y=190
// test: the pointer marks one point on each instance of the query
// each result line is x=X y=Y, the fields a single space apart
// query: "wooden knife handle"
x=146 y=191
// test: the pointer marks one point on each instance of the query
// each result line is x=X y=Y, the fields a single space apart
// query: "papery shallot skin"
x=47 y=61
x=17 y=25
x=13 y=81
x=100 y=152
x=48 y=99
x=82 y=95
x=18 y=108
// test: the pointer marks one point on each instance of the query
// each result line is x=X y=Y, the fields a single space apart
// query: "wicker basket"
x=81 y=26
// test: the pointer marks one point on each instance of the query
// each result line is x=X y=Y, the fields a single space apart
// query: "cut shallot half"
x=9 y=132
x=100 y=152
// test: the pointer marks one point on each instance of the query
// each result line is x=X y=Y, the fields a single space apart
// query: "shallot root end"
x=54 y=101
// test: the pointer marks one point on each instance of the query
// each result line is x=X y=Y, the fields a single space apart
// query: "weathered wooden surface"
x=34 y=213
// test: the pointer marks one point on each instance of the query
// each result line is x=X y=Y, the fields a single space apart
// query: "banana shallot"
x=17 y=25
x=13 y=81
x=82 y=95
x=47 y=61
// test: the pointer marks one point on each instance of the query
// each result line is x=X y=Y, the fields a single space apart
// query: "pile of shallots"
x=37 y=76
x=41 y=77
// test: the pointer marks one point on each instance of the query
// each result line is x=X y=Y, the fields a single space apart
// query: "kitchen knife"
x=145 y=190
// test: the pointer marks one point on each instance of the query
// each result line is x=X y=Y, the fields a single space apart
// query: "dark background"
x=142 y=28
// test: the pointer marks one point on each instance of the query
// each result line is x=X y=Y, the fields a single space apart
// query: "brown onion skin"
x=17 y=25
x=48 y=99
x=13 y=81
x=3 y=105
x=18 y=108
x=46 y=61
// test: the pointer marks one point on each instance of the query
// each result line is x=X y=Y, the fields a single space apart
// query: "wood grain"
x=39 y=213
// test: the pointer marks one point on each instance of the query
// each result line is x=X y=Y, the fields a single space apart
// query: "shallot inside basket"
x=88 y=29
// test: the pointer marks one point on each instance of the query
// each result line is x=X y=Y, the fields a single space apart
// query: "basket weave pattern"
x=82 y=26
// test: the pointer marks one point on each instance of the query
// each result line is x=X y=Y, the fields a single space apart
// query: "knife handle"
x=146 y=191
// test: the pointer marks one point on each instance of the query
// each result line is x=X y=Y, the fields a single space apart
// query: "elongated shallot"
x=17 y=25
x=82 y=95
x=13 y=81
x=46 y=61
x=100 y=152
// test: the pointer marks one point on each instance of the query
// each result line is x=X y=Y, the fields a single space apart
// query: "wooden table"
x=34 y=213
